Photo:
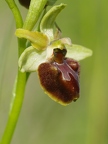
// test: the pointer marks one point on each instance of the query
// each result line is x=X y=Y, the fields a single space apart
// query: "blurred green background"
x=42 y=121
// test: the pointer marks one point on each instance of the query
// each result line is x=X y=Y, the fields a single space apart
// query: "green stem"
x=17 y=100
x=16 y=13
x=18 y=96
x=36 y=8
x=19 y=87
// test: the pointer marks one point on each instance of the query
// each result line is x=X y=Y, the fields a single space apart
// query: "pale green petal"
x=66 y=40
x=38 y=40
x=48 y=22
x=30 y=59
x=78 y=52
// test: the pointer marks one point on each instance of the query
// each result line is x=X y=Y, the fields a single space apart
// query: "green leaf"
x=38 y=39
x=31 y=59
x=78 y=52
x=47 y=25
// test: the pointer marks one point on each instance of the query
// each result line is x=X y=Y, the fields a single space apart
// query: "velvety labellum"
x=60 y=80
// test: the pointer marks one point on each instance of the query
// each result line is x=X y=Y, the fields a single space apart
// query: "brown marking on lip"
x=52 y=81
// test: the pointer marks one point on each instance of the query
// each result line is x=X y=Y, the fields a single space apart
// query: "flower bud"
x=25 y=3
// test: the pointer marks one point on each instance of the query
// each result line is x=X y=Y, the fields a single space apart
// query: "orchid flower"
x=54 y=58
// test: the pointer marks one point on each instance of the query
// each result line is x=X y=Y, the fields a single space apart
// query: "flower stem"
x=16 y=13
x=19 y=87
x=34 y=12
x=18 y=96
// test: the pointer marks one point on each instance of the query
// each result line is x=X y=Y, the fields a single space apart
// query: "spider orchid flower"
x=55 y=58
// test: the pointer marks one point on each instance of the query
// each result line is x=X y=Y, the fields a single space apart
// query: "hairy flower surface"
x=60 y=77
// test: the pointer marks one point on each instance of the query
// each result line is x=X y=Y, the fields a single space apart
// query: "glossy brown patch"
x=73 y=64
x=60 y=81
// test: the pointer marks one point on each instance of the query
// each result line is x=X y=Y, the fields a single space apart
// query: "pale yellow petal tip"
x=19 y=32
x=56 y=100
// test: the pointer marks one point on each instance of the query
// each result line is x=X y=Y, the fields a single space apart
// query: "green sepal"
x=38 y=40
x=30 y=59
x=47 y=25
x=77 y=52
